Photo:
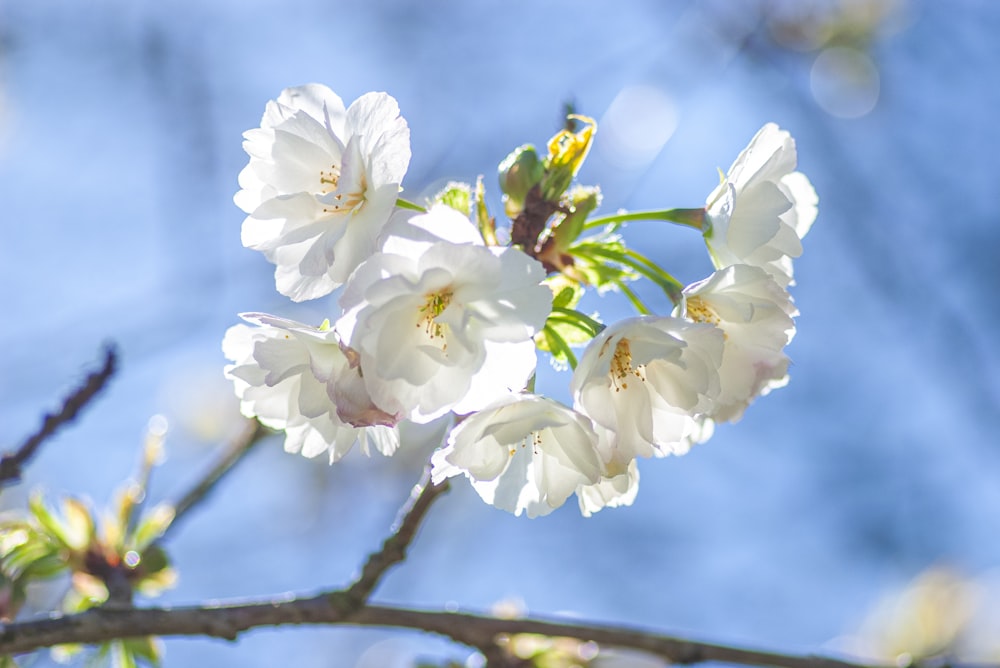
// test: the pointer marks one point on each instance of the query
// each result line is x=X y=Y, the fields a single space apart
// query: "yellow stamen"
x=434 y=306
x=699 y=311
x=621 y=366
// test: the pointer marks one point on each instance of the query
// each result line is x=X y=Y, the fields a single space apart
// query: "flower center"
x=621 y=367
x=351 y=202
x=536 y=441
x=699 y=311
x=434 y=305
x=328 y=180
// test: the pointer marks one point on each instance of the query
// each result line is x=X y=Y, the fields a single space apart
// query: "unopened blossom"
x=650 y=381
x=755 y=314
x=286 y=374
x=442 y=326
x=321 y=183
x=523 y=453
x=760 y=212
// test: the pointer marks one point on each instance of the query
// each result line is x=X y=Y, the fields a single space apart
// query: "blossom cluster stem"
x=693 y=218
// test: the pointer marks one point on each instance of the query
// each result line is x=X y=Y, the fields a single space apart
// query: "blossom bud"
x=456 y=195
x=583 y=200
x=519 y=172
x=567 y=151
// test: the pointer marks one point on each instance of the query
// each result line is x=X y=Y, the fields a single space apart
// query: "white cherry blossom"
x=321 y=183
x=619 y=482
x=524 y=453
x=442 y=326
x=755 y=313
x=650 y=381
x=286 y=375
x=760 y=212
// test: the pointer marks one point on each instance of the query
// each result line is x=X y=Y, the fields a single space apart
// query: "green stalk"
x=560 y=343
x=406 y=204
x=634 y=298
x=694 y=218
x=670 y=285
x=573 y=316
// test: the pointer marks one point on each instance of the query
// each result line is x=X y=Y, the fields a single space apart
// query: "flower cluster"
x=438 y=319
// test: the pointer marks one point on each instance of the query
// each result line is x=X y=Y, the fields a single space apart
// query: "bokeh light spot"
x=844 y=82
x=639 y=121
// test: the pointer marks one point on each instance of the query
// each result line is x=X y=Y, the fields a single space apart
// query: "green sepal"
x=456 y=195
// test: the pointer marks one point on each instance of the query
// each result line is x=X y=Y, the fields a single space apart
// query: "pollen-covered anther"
x=536 y=442
x=699 y=311
x=328 y=180
x=434 y=305
x=621 y=366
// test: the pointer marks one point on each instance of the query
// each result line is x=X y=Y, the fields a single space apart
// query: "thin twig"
x=336 y=608
x=231 y=455
x=403 y=531
x=11 y=465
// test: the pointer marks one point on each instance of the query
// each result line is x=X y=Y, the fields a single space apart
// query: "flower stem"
x=406 y=204
x=694 y=218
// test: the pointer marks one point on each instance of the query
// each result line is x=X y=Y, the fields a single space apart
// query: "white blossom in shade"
x=618 y=485
x=760 y=212
x=441 y=326
x=286 y=373
x=650 y=381
x=523 y=453
x=321 y=183
x=755 y=314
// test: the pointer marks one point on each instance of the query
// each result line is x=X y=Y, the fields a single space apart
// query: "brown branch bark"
x=231 y=455
x=12 y=464
x=394 y=547
x=228 y=621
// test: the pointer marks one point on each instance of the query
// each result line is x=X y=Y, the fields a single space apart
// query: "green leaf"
x=564 y=298
x=33 y=558
x=49 y=523
x=556 y=345
x=65 y=653
x=157 y=583
x=151 y=527
x=121 y=655
x=149 y=650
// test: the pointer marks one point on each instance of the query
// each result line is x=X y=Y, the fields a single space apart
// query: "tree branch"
x=231 y=455
x=228 y=621
x=403 y=531
x=11 y=465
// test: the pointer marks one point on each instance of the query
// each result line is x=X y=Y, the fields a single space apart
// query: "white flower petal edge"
x=611 y=491
x=760 y=212
x=524 y=453
x=651 y=381
x=285 y=374
x=441 y=326
x=321 y=184
x=755 y=313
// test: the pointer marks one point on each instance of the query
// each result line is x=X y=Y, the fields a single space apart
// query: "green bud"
x=582 y=202
x=484 y=221
x=519 y=172
x=456 y=195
